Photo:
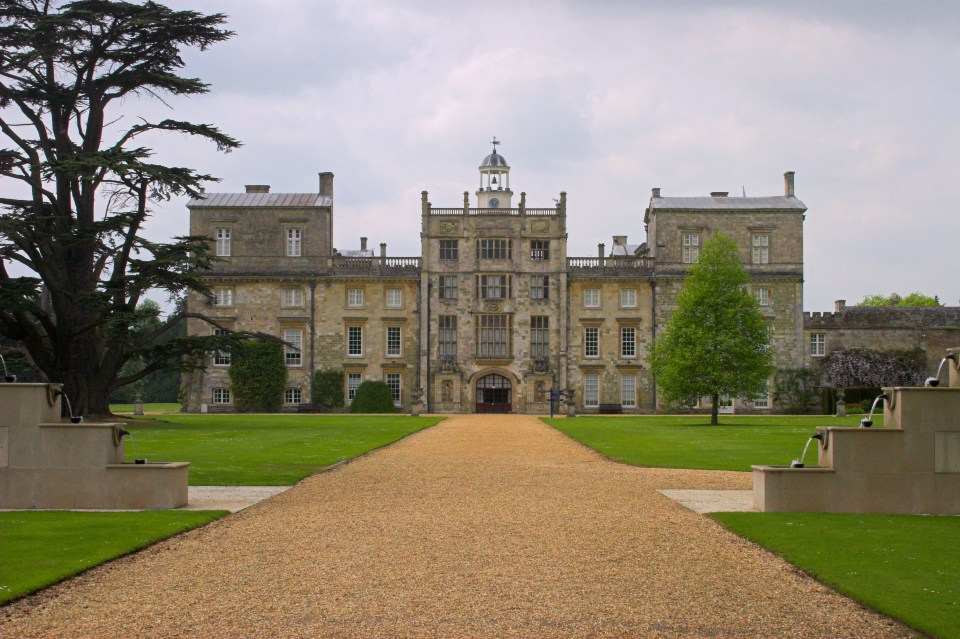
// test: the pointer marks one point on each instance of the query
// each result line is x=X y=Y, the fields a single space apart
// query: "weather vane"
x=495 y=143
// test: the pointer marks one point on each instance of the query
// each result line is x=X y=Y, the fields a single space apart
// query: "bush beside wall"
x=372 y=397
x=258 y=376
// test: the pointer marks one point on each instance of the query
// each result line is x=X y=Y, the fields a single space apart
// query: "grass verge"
x=41 y=548
x=264 y=450
x=689 y=441
x=147 y=408
x=904 y=566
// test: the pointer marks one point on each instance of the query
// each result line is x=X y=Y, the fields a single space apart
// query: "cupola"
x=494 y=192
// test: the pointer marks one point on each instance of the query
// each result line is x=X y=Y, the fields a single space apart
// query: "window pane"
x=294 y=237
x=221 y=358
x=591 y=389
x=353 y=383
x=494 y=336
x=394 y=298
x=291 y=396
x=591 y=297
x=628 y=390
x=539 y=337
x=393 y=382
x=540 y=250
x=628 y=341
x=292 y=354
x=393 y=341
x=628 y=297
x=355 y=297
x=355 y=340
x=447 y=326
x=591 y=342
x=222 y=236
x=449 y=250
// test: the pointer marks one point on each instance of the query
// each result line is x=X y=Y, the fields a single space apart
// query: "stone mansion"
x=493 y=313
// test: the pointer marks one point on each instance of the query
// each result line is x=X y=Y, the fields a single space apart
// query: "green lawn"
x=147 y=408
x=689 y=441
x=40 y=548
x=905 y=566
x=263 y=450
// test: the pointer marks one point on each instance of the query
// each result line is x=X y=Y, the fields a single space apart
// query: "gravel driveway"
x=483 y=526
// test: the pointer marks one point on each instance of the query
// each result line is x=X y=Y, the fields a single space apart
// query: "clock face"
x=494 y=203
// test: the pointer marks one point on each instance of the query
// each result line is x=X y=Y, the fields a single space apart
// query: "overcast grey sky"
x=603 y=100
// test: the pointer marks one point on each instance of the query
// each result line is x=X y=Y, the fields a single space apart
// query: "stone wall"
x=930 y=328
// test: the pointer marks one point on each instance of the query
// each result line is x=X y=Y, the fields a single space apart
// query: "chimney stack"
x=655 y=191
x=258 y=188
x=839 y=305
x=600 y=250
x=383 y=250
x=326 y=183
x=788 y=184
x=363 y=244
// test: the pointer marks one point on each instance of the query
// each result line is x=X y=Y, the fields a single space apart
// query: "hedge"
x=258 y=376
x=328 y=388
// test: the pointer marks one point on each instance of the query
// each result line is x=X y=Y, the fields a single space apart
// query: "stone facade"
x=493 y=314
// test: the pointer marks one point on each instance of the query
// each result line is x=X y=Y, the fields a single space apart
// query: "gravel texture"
x=483 y=526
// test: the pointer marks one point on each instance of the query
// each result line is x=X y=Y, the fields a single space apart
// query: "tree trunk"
x=715 y=410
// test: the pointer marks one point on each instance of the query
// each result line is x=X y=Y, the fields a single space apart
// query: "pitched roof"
x=727 y=203
x=271 y=200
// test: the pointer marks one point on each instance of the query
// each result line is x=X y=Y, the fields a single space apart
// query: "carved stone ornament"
x=540 y=226
x=492 y=307
x=450 y=228
x=448 y=365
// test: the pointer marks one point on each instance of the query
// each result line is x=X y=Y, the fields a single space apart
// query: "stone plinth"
x=49 y=463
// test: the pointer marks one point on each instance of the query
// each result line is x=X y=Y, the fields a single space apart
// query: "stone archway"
x=494 y=394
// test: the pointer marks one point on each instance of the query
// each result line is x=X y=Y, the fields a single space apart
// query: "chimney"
x=600 y=250
x=839 y=305
x=655 y=191
x=788 y=184
x=363 y=244
x=383 y=250
x=719 y=193
x=258 y=188
x=619 y=240
x=326 y=183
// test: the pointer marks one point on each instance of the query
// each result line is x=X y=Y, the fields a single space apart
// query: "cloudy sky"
x=603 y=100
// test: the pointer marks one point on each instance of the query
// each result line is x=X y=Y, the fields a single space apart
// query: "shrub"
x=796 y=390
x=328 y=388
x=258 y=376
x=862 y=368
x=372 y=397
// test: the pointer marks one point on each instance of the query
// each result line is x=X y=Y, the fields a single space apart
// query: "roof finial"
x=495 y=143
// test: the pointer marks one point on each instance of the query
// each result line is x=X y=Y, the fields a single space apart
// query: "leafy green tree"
x=161 y=385
x=77 y=186
x=913 y=299
x=716 y=343
x=372 y=397
x=258 y=376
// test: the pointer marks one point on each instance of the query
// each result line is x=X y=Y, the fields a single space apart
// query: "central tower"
x=494 y=191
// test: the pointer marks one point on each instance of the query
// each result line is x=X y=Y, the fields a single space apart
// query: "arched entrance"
x=494 y=394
